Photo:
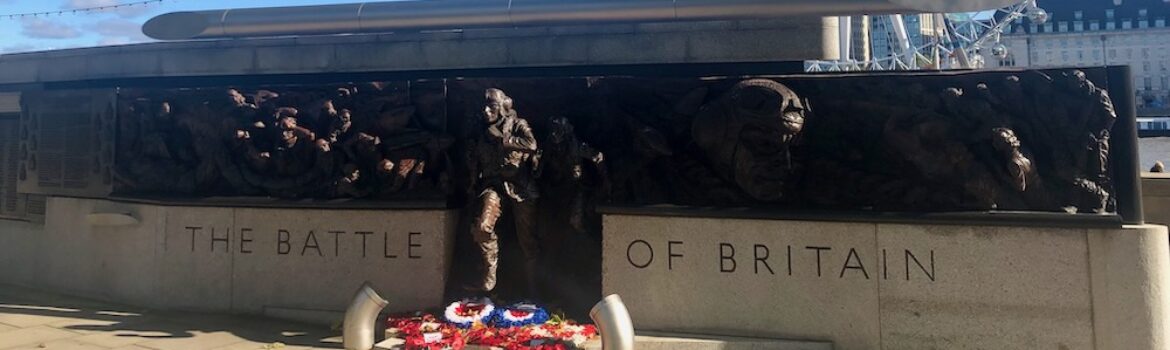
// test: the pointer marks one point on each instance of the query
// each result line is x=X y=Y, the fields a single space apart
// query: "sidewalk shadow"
x=88 y=316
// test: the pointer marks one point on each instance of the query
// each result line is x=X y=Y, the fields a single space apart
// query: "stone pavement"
x=35 y=320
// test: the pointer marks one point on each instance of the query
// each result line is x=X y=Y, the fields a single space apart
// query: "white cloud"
x=18 y=47
x=116 y=31
x=113 y=41
x=46 y=29
x=124 y=12
x=76 y=4
x=116 y=27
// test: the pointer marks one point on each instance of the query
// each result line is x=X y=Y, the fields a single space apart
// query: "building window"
x=1112 y=53
x=1160 y=23
x=1126 y=24
x=1110 y=25
x=1064 y=56
x=1094 y=25
x=1129 y=54
x=1080 y=55
x=1142 y=13
x=1109 y=13
x=1143 y=23
x=1063 y=27
x=1148 y=82
x=1146 y=66
x=1165 y=83
x=1096 y=55
x=1079 y=15
x=1145 y=52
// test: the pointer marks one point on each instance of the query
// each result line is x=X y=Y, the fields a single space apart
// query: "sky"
x=118 y=27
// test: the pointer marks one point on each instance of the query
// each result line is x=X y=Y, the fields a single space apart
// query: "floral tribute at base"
x=520 y=326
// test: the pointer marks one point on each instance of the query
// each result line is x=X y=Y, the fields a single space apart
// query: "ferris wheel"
x=956 y=41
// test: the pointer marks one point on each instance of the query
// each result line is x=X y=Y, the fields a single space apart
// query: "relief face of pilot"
x=496 y=105
x=746 y=135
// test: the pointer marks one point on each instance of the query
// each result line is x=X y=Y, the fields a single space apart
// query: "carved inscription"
x=839 y=262
x=307 y=242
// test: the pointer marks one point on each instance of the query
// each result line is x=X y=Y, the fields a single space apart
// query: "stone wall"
x=892 y=286
x=300 y=263
x=1156 y=197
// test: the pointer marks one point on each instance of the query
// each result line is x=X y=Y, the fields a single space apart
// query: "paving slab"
x=118 y=336
x=34 y=319
x=32 y=335
x=64 y=344
x=667 y=341
x=197 y=341
x=31 y=315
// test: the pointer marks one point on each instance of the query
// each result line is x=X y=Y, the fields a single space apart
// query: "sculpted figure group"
x=1031 y=141
x=355 y=142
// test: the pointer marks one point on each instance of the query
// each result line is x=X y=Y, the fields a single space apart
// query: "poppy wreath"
x=550 y=336
x=436 y=341
x=468 y=312
x=519 y=315
x=427 y=333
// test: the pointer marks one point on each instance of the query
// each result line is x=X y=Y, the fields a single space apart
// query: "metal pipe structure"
x=458 y=14
x=902 y=39
x=845 y=34
x=361 y=318
x=614 y=323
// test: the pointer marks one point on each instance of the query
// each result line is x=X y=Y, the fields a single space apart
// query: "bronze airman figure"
x=502 y=162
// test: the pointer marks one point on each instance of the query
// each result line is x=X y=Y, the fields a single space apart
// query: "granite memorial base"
x=893 y=286
x=301 y=264
x=1156 y=197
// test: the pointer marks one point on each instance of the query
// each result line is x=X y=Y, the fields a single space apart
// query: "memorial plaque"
x=11 y=202
x=535 y=156
x=69 y=142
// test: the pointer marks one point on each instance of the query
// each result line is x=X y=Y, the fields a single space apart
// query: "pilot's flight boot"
x=490 y=251
x=484 y=232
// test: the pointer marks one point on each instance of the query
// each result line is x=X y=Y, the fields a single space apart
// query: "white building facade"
x=1100 y=32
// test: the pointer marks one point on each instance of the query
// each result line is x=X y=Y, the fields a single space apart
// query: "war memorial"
x=264 y=164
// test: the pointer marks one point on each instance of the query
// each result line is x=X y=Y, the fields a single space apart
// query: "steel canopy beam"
x=458 y=14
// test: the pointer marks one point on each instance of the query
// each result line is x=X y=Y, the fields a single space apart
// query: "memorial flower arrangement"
x=468 y=312
x=520 y=326
x=426 y=333
x=519 y=315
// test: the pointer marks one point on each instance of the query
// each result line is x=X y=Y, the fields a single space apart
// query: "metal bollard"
x=360 y=319
x=614 y=323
